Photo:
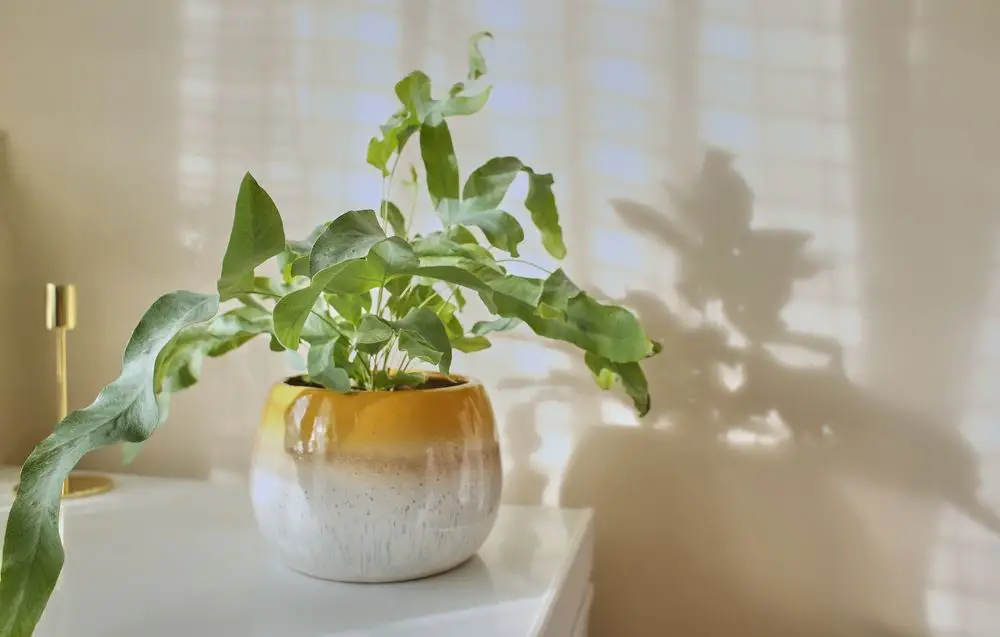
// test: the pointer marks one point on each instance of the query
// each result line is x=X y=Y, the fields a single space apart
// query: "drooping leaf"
x=477 y=63
x=470 y=344
x=482 y=328
x=373 y=334
x=256 y=236
x=396 y=219
x=630 y=375
x=349 y=236
x=501 y=228
x=440 y=162
x=422 y=335
x=541 y=203
x=462 y=103
x=125 y=410
x=323 y=369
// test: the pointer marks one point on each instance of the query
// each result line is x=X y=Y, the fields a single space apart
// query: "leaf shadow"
x=731 y=493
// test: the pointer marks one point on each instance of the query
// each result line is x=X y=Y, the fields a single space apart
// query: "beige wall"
x=868 y=126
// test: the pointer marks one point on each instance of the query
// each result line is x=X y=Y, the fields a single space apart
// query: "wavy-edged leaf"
x=256 y=236
x=349 y=236
x=471 y=344
x=422 y=335
x=124 y=411
x=487 y=186
x=440 y=162
x=414 y=93
x=629 y=375
x=477 y=63
x=462 y=103
x=541 y=203
x=323 y=369
x=482 y=328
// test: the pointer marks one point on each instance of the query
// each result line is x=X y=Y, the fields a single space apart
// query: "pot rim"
x=467 y=382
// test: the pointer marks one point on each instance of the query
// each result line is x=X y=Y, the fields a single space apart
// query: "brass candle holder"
x=60 y=317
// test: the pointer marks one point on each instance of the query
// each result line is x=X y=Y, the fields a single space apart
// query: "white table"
x=176 y=558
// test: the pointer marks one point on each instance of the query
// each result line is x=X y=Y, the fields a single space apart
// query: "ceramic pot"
x=376 y=486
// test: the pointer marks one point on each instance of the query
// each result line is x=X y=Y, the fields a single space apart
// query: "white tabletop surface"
x=169 y=558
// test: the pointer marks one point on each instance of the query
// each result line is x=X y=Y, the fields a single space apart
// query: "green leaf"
x=453 y=245
x=483 y=328
x=396 y=219
x=299 y=267
x=522 y=289
x=394 y=255
x=349 y=236
x=488 y=185
x=322 y=368
x=463 y=104
x=422 y=335
x=294 y=360
x=395 y=134
x=414 y=93
x=558 y=290
x=630 y=375
x=124 y=411
x=384 y=381
x=477 y=63
x=275 y=345
x=373 y=334
x=350 y=306
x=256 y=236
x=541 y=203
x=400 y=304
x=353 y=277
x=471 y=343
x=290 y=314
x=501 y=228
x=439 y=159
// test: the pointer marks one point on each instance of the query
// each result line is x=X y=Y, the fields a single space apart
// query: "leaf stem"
x=534 y=265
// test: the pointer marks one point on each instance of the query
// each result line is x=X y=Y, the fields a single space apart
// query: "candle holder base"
x=85 y=485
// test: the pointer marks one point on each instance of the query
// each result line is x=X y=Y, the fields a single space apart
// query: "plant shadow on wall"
x=728 y=510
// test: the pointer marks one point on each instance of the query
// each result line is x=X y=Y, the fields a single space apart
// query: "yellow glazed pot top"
x=317 y=420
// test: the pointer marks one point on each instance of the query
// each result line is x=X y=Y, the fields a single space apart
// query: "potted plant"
x=366 y=468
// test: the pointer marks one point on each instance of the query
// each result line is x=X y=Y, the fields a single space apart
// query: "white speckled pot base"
x=376 y=519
